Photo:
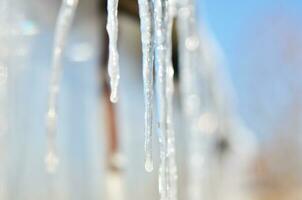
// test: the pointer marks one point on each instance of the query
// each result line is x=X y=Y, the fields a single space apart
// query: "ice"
x=147 y=37
x=64 y=22
x=113 y=62
x=161 y=16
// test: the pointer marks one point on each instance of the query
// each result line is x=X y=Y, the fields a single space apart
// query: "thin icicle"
x=64 y=22
x=113 y=62
x=171 y=167
x=146 y=18
x=161 y=15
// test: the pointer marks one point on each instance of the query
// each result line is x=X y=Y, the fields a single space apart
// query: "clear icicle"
x=64 y=22
x=171 y=167
x=146 y=18
x=113 y=62
x=161 y=16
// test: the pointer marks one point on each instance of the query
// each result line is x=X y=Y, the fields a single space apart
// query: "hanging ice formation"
x=113 y=62
x=161 y=52
x=64 y=21
x=147 y=37
x=156 y=29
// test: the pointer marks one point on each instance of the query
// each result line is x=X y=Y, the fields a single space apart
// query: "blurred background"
x=258 y=48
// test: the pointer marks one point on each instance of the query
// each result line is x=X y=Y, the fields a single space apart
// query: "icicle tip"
x=149 y=165
x=113 y=97
x=51 y=162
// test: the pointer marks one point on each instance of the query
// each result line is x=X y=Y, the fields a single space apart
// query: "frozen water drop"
x=52 y=162
x=149 y=164
x=113 y=97
x=51 y=114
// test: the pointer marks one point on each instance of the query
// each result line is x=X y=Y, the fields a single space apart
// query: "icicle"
x=113 y=62
x=146 y=18
x=171 y=167
x=161 y=16
x=64 y=22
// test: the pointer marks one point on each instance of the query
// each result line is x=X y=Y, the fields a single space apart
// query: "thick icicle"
x=146 y=18
x=161 y=16
x=64 y=22
x=113 y=62
x=171 y=166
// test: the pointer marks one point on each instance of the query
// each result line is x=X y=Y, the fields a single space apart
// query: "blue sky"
x=231 y=21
